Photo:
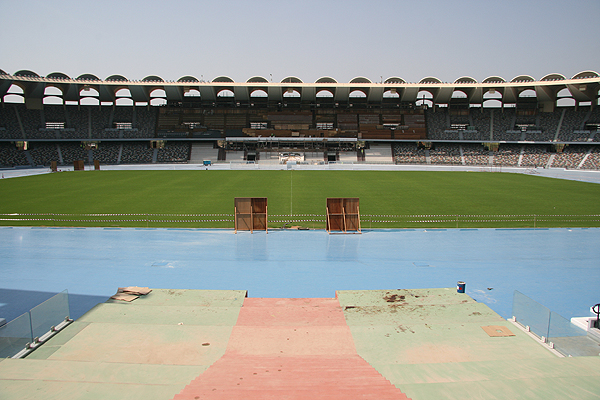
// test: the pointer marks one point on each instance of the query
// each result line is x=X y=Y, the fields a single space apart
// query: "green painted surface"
x=147 y=349
x=516 y=389
x=180 y=297
x=162 y=315
x=84 y=371
x=43 y=352
x=53 y=390
x=403 y=374
x=401 y=296
x=149 y=344
x=430 y=344
x=67 y=333
x=418 y=314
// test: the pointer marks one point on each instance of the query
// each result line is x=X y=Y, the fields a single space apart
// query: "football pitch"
x=388 y=199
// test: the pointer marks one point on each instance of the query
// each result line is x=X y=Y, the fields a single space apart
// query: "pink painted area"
x=291 y=340
x=274 y=302
x=291 y=312
x=291 y=349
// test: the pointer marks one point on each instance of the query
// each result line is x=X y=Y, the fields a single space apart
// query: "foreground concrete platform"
x=376 y=344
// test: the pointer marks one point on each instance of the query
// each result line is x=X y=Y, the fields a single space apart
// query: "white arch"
x=52 y=91
x=389 y=94
x=158 y=93
x=424 y=94
x=293 y=93
x=491 y=103
x=225 y=93
x=124 y=101
x=259 y=93
x=528 y=93
x=52 y=100
x=492 y=94
x=427 y=102
x=564 y=93
x=566 y=102
x=357 y=94
x=324 y=93
x=459 y=94
x=89 y=101
x=88 y=92
x=14 y=98
x=15 y=89
x=124 y=92
x=191 y=93
x=158 y=101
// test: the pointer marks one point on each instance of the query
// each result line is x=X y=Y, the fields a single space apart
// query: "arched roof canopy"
x=222 y=79
x=291 y=79
x=586 y=74
x=553 y=77
x=153 y=78
x=326 y=79
x=360 y=79
x=2 y=72
x=58 y=75
x=522 y=78
x=465 y=79
x=116 y=78
x=430 y=79
x=88 y=77
x=188 y=78
x=257 y=79
x=25 y=72
x=394 y=79
x=493 y=79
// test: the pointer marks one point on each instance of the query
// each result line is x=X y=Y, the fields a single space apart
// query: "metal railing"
x=315 y=220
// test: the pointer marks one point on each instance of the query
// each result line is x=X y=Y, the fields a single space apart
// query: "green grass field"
x=400 y=199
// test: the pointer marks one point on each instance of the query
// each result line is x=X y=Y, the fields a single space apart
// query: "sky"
x=308 y=39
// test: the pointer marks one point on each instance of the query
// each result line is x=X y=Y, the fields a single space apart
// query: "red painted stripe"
x=290 y=349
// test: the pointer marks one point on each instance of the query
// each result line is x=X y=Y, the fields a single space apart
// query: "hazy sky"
x=308 y=39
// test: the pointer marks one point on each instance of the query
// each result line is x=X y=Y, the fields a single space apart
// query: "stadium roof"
x=583 y=87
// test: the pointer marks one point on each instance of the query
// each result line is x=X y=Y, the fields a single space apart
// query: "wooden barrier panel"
x=78 y=165
x=97 y=165
x=54 y=166
x=343 y=215
x=251 y=214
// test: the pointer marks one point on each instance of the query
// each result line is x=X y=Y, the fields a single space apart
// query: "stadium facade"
x=120 y=121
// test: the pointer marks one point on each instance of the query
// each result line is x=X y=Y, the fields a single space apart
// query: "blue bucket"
x=460 y=288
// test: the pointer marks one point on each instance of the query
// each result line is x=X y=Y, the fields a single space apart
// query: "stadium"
x=549 y=123
x=298 y=313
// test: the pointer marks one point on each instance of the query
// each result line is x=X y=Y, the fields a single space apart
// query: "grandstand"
x=552 y=122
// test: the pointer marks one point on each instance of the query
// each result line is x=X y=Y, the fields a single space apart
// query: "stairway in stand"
x=290 y=349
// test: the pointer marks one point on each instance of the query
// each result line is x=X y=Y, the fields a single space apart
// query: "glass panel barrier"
x=50 y=313
x=565 y=337
x=15 y=335
x=562 y=327
x=530 y=313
